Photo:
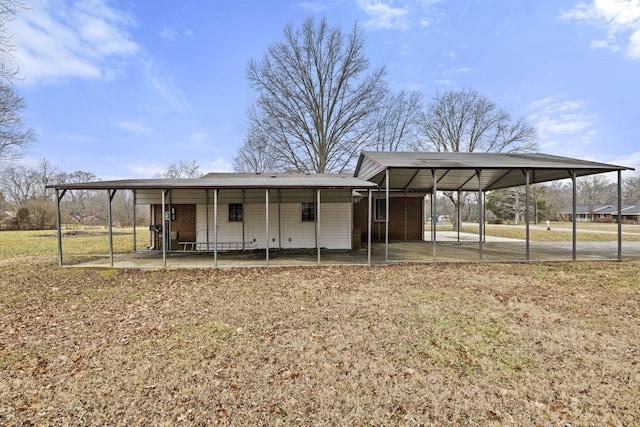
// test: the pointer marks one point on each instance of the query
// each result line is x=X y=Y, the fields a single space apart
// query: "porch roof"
x=222 y=181
x=458 y=171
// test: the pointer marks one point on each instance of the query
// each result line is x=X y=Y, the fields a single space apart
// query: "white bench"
x=219 y=246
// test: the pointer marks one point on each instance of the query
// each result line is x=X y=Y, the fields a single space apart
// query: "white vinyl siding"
x=285 y=221
x=335 y=225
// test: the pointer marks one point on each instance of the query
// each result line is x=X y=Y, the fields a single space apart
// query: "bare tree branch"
x=14 y=136
x=466 y=121
x=181 y=170
x=314 y=102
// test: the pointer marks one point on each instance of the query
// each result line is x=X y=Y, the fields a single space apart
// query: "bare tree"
x=255 y=155
x=19 y=184
x=631 y=189
x=396 y=121
x=181 y=170
x=81 y=204
x=465 y=121
x=314 y=100
x=14 y=135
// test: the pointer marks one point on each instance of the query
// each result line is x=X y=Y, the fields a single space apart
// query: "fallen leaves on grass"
x=434 y=344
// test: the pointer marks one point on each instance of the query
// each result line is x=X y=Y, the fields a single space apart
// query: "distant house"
x=602 y=213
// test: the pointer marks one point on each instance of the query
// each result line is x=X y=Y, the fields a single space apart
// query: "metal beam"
x=411 y=179
x=206 y=221
x=266 y=218
x=573 y=213
x=434 y=215
x=480 y=212
x=215 y=228
x=619 y=215
x=110 y=197
x=164 y=231
x=369 y=229
x=59 y=224
x=135 y=220
x=318 y=223
x=386 y=218
x=526 y=213
x=490 y=185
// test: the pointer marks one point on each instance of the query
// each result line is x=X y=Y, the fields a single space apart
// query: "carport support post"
x=215 y=228
x=110 y=196
x=619 y=215
x=164 y=232
x=386 y=216
x=318 y=223
x=526 y=213
x=480 y=212
x=369 y=230
x=266 y=218
x=135 y=243
x=573 y=213
x=458 y=213
x=434 y=215
x=206 y=219
x=59 y=224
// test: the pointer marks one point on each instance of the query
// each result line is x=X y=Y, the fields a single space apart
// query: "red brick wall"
x=184 y=224
x=396 y=219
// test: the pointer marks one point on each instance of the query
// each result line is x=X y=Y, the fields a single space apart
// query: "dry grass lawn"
x=427 y=344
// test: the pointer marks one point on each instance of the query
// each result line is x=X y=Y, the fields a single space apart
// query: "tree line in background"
x=317 y=108
x=26 y=203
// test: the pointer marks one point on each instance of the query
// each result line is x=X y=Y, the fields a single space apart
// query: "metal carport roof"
x=413 y=171
x=221 y=181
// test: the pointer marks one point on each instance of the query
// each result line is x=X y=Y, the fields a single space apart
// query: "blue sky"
x=124 y=88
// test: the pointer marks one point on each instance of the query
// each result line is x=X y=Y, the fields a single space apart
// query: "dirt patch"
x=435 y=344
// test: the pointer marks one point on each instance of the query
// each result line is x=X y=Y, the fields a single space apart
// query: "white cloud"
x=171 y=34
x=162 y=82
x=220 y=164
x=133 y=126
x=398 y=14
x=631 y=160
x=619 y=18
x=144 y=170
x=57 y=40
x=558 y=118
x=384 y=16
x=312 y=6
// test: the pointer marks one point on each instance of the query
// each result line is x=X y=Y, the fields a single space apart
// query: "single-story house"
x=383 y=200
x=603 y=213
